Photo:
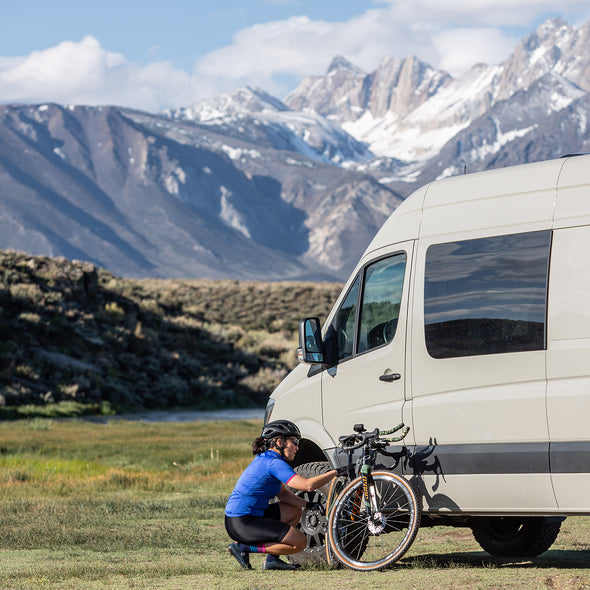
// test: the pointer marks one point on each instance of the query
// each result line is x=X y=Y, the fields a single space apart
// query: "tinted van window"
x=486 y=296
x=345 y=322
x=377 y=293
x=381 y=302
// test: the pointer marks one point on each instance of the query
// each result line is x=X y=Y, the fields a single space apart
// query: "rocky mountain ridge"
x=248 y=186
x=141 y=195
x=408 y=110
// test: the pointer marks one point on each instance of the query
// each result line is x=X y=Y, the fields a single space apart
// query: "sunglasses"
x=295 y=441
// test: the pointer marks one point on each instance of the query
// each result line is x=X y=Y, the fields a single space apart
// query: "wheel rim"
x=365 y=543
x=313 y=523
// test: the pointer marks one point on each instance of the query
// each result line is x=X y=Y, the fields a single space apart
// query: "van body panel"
x=510 y=200
x=403 y=226
x=568 y=364
x=491 y=399
x=494 y=431
x=298 y=398
x=569 y=294
x=482 y=406
x=506 y=499
x=571 y=489
x=573 y=203
x=344 y=391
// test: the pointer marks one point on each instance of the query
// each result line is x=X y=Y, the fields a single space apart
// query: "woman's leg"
x=287 y=543
x=293 y=542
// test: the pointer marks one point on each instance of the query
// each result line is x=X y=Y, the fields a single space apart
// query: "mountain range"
x=248 y=186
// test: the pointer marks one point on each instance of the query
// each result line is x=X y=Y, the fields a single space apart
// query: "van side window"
x=487 y=296
x=382 y=296
x=345 y=322
x=379 y=306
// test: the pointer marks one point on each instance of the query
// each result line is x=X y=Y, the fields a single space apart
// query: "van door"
x=367 y=385
x=478 y=373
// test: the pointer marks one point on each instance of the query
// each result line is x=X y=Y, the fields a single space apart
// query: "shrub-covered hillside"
x=76 y=338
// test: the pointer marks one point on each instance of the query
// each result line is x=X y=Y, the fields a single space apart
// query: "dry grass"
x=75 y=339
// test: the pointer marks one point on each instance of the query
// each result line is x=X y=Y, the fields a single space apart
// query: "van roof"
x=505 y=200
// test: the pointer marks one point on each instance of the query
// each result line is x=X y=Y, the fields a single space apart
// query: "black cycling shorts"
x=257 y=530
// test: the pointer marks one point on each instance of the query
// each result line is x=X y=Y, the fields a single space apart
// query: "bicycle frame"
x=368 y=462
x=372 y=443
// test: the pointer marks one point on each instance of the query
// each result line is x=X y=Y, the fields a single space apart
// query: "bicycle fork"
x=375 y=520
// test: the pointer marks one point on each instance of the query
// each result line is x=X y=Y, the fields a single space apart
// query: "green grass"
x=138 y=505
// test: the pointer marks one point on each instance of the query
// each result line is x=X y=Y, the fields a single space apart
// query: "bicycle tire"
x=363 y=544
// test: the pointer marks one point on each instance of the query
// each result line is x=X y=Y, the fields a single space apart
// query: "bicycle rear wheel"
x=364 y=542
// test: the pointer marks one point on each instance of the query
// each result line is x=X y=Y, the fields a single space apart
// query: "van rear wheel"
x=313 y=523
x=514 y=536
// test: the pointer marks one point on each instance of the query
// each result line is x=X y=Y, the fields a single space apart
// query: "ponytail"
x=259 y=446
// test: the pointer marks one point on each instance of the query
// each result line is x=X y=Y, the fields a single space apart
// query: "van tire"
x=514 y=536
x=316 y=525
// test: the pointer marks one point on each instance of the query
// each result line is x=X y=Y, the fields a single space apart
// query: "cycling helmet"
x=280 y=429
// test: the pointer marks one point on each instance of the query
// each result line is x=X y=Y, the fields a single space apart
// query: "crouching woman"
x=256 y=525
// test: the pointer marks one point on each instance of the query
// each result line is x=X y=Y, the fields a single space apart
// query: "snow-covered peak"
x=551 y=30
x=341 y=64
x=405 y=109
x=554 y=47
x=240 y=101
x=253 y=115
x=408 y=110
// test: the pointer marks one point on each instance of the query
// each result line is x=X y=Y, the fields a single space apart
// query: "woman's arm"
x=287 y=497
x=312 y=483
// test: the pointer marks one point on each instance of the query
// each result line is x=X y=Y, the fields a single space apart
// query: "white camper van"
x=468 y=319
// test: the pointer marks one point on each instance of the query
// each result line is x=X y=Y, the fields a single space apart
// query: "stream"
x=188 y=416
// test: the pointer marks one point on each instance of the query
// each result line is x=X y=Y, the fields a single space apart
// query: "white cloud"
x=299 y=46
x=84 y=73
x=453 y=35
x=450 y=34
x=496 y=13
x=484 y=45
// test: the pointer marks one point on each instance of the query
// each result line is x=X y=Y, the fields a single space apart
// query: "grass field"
x=140 y=505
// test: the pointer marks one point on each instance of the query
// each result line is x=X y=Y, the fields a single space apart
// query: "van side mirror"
x=311 y=347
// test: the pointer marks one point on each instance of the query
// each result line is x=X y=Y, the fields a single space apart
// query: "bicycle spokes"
x=363 y=538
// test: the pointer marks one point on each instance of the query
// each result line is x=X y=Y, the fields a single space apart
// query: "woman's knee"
x=301 y=542
x=295 y=539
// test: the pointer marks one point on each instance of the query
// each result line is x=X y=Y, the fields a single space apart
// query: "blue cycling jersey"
x=259 y=483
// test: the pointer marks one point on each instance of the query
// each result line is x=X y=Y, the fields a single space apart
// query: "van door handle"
x=389 y=377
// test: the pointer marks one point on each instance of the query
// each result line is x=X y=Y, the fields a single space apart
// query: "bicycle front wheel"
x=369 y=542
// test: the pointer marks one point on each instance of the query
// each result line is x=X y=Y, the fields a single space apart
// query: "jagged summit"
x=241 y=100
x=550 y=28
x=340 y=63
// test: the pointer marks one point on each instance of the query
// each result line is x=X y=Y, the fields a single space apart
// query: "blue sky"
x=154 y=55
x=147 y=30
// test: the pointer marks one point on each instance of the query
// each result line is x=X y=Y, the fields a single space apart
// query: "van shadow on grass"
x=555 y=559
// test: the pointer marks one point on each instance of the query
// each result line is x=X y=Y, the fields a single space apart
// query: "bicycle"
x=375 y=516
